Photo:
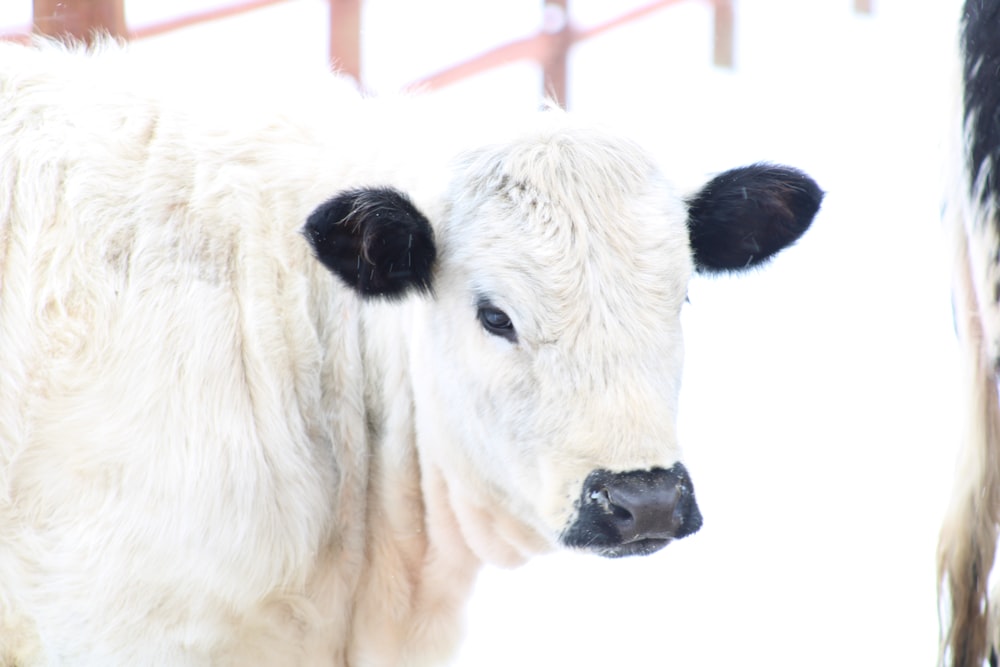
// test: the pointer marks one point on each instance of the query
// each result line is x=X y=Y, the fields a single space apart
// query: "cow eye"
x=497 y=322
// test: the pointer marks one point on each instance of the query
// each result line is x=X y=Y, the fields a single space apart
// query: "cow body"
x=278 y=375
x=968 y=541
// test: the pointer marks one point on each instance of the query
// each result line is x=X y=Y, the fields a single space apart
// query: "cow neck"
x=417 y=572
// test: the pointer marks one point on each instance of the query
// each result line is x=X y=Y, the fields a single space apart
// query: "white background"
x=819 y=408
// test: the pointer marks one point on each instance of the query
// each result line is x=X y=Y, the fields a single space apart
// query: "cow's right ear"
x=375 y=240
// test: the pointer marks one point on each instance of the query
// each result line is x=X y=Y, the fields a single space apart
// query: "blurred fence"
x=549 y=47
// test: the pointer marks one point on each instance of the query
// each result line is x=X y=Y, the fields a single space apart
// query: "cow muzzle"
x=633 y=513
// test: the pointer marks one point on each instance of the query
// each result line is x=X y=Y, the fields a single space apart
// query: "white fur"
x=211 y=452
x=968 y=541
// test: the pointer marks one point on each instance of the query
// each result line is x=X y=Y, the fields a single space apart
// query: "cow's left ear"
x=375 y=240
x=744 y=216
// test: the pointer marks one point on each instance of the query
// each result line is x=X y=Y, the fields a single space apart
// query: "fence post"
x=558 y=39
x=722 y=54
x=345 y=37
x=79 y=19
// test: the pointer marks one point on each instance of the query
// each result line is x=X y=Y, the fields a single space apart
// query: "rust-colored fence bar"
x=22 y=36
x=79 y=19
x=66 y=18
x=528 y=48
x=549 y=48
x=580 y=35
x=557 y=38
x=345 y=37
x=195 y=18
x=723 y=27
x=540 y=47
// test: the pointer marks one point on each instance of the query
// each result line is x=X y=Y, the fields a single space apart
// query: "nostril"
x=602 y=497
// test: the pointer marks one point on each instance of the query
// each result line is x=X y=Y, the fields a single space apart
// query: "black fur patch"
x=375 y=240
x=981 y=98
x=744 y=216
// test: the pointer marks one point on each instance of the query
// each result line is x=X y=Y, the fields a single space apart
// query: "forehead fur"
x=563 y=216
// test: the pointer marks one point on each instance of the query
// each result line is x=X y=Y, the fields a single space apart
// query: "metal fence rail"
x=549 y=47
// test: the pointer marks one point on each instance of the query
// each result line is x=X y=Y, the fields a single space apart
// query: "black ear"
x=744 y=216
x=375 y=240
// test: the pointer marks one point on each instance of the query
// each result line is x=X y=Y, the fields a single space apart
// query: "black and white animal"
x=968 y=541
x=279 y=372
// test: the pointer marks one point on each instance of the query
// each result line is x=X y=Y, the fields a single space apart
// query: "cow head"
x=546 y=360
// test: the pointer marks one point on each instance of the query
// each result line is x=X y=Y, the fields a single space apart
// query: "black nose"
x=635 y=512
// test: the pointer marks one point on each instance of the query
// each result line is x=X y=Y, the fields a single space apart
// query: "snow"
x=820 y=401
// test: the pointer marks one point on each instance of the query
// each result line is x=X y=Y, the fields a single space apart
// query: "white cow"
x=217 y=450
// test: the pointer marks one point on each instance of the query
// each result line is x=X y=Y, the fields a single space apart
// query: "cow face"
x=547 y=360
